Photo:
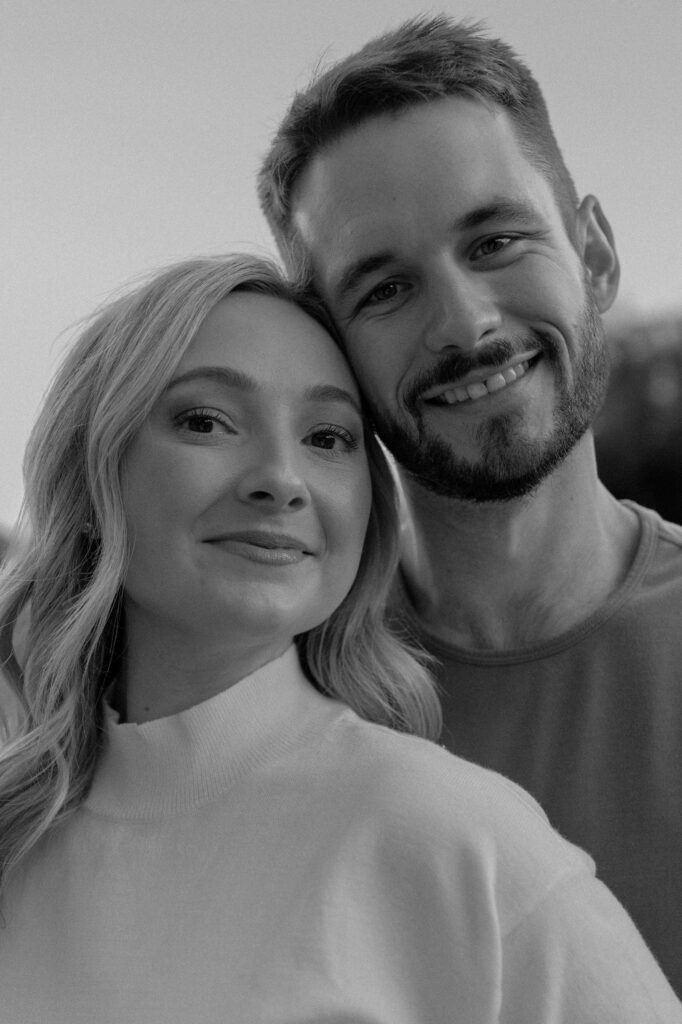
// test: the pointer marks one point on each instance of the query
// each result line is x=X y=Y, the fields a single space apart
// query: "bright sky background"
x=132 y=130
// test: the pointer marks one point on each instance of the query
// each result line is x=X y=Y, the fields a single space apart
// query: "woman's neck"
x=164 y=671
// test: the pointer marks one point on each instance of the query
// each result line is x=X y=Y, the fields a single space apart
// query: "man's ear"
x=596 y=247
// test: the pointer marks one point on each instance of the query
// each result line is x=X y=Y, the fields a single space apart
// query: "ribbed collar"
x=166 y=766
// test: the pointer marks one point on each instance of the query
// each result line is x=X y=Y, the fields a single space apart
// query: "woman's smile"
x=264 y=546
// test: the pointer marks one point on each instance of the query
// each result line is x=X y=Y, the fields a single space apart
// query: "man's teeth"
x=465 y=393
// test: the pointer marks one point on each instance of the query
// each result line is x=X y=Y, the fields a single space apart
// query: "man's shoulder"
x=659 y=579
x=668 y=533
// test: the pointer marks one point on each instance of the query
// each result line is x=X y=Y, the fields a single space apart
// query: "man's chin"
x=478 y=487
x=505 y=472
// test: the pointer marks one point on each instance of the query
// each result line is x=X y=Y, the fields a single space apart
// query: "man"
x=419 y=187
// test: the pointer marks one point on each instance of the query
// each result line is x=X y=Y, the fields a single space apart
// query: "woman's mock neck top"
x=170 y=764
x=267 y=855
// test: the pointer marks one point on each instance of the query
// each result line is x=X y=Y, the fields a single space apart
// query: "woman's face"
x=247 y=491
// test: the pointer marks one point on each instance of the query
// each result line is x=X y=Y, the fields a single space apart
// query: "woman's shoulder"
x=418 y=792
x=395 y=766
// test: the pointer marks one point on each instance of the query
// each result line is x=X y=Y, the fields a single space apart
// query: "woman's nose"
x=275 y=483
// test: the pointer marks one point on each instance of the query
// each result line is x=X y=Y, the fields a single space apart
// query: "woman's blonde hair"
x=67 y=579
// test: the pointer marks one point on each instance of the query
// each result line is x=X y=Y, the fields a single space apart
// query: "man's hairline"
x=293 y=241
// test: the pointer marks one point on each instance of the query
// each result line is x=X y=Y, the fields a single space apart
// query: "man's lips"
x=481 y=382
x=263 y=546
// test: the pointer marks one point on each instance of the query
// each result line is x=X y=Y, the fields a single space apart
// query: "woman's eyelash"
x=333 y=429
x=203 y=414
x=205 y=418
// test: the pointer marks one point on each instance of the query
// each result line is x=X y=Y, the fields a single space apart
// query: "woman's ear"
x=596 y=247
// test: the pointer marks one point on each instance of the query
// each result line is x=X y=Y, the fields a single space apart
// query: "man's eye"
x=491 y=246
x=385 y=292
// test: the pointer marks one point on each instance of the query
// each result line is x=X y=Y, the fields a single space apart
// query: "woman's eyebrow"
x=220 y=374
x=230 y=378
x=331 y=393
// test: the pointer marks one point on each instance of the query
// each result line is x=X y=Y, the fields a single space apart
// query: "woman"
x=203 y=816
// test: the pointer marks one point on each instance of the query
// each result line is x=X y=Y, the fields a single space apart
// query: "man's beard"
x=509 y=466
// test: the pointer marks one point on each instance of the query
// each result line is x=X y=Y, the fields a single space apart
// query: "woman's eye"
x=332 y=438
x=203 y=421
x=200 y=424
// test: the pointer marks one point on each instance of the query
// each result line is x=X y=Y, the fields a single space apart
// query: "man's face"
x=443 y=256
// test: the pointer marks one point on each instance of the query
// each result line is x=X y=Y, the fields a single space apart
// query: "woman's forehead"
x=269 y=341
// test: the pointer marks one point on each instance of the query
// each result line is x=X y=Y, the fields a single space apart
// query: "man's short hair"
x=424 y=59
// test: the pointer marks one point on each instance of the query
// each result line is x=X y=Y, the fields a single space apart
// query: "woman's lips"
x=264 y=547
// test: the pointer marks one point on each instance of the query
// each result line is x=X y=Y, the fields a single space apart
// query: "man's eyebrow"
x=220 y=374
x=230 y=378
x=510 y=210
x=514 y=211
x=356 y=271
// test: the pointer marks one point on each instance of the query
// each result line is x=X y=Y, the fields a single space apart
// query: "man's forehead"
x=397 y=180
x=386 y=157
x=367 y=146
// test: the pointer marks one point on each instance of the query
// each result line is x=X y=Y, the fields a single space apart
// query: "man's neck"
x=507 y=575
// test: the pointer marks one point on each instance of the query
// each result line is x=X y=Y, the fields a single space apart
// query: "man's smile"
x=481 y=383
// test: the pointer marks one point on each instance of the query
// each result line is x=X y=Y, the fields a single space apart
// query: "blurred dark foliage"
x=639 y=431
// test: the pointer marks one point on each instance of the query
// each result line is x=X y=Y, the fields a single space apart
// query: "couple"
x=204 y=815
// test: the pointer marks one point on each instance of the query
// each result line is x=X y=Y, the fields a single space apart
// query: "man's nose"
x=274 y=481
x=463 y=310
